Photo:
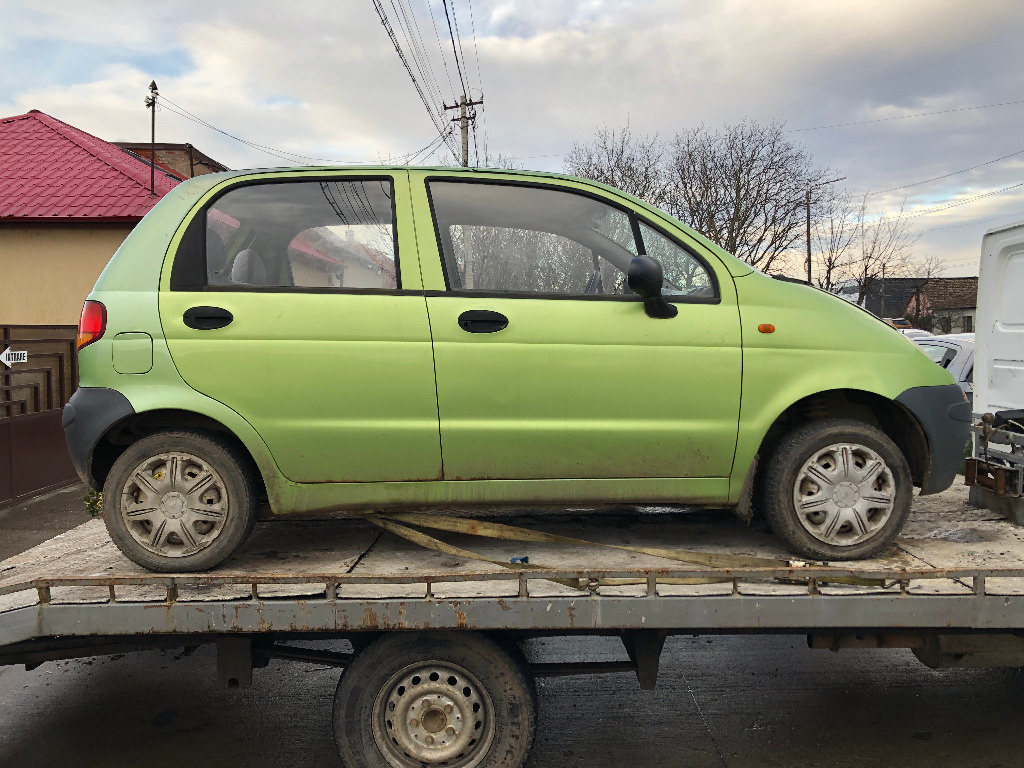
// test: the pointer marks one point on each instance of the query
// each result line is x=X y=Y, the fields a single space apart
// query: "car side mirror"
x=645 y=278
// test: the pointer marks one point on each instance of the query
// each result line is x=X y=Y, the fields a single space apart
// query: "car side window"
x=685 y=275
x=309 y=234
x=520 y=239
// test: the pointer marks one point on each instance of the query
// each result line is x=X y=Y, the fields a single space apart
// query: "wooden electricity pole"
x=807 y=208
x=463 y=120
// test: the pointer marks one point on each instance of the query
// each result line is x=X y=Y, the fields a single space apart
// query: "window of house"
x=968 y=324
x=303 y=234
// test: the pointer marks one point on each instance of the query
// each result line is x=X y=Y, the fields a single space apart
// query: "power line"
x=976 y=221
x=480 y=82
x=278 y=153
x=440 y=51
x=947 y=205
x=398 y=49
x=458 y=37
x=455 y=52
x=905 y=117
x=281 y=154
x=947 y=175
x=418 y=51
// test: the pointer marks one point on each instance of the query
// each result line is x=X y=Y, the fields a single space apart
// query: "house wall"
x=955 y=318
x=47 y=271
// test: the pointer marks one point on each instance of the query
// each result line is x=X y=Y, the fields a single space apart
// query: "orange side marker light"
x=766 y=328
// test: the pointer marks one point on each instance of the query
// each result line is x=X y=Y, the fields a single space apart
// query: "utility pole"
x=463 y=120
x=807 y=204
x=151 y=103
x=882 y=315
x=807 y=208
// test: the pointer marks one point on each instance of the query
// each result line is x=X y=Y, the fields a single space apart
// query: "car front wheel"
x=837 y=489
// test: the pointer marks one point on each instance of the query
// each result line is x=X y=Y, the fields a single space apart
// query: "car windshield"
x=939 y=353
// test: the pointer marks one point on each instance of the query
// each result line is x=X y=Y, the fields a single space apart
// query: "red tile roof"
x=51 y=171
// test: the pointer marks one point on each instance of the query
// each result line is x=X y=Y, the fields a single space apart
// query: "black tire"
x=204 y=543
x=493 y=696
x=863 y=534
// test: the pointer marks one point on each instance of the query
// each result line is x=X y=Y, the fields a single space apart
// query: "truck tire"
x=180 y=501
x=452 y=699
x=837 y=489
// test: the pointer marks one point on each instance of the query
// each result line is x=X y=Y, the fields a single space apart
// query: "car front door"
x=546 y=365
x=296 y=301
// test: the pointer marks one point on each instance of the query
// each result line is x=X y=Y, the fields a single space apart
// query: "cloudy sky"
x=317 y=79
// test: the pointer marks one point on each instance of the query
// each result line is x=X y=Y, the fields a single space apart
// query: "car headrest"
x=248 y=268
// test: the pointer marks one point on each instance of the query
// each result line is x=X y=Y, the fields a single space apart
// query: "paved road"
x=34 y=521
x=723 y=702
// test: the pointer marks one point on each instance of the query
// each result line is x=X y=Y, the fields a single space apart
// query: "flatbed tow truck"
x=952 y=589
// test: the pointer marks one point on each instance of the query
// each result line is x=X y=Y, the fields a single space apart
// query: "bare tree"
x=634 y=164
x=744 y=188
x=919 y=312
x=885 y=244
x=834 y=240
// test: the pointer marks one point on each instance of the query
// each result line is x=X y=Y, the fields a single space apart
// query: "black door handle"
x=482 y=321
x=206 y=318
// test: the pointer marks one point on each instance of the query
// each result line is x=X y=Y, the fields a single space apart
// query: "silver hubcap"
x=174 y=504
x=844 y=494
x=433 y=714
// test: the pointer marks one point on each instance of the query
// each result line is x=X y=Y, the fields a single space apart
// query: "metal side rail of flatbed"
x=434 y=636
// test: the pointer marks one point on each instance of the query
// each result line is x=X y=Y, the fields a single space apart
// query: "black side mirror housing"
x=645 y=278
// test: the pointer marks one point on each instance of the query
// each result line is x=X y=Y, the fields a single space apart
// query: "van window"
x=308 y=234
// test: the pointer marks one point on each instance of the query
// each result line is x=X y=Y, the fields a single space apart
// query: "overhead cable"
x=905 y=117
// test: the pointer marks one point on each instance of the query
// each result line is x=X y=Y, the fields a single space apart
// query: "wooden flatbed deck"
x=954 y=567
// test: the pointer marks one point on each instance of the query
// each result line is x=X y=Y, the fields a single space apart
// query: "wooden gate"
x=33 y=454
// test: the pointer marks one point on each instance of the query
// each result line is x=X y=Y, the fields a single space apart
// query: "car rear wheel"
x=179 y=502
x=452 y=699
x=837 y=489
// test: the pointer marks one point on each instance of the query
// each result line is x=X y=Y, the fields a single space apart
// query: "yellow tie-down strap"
x=398 y=523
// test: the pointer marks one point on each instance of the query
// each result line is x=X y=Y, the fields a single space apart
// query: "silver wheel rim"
x=434 y=713
x=844 y=494
x=174 y=504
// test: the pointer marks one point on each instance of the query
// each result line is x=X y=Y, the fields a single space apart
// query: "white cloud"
x=321 y=79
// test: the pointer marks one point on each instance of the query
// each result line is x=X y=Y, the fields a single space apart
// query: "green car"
x=322 y=339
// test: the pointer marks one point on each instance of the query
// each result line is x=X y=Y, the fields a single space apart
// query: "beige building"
x=67 y=201
x=49 y=270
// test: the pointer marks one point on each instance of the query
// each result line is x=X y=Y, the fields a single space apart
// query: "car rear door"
x=546 y=366
x=296 y=301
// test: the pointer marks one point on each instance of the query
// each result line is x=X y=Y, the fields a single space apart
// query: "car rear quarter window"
x=313 y=235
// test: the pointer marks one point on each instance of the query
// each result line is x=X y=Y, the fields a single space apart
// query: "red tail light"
x=93 y=323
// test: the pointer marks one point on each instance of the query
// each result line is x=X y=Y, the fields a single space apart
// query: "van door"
x=296 y=301
x=547 y=366
x=999 y=350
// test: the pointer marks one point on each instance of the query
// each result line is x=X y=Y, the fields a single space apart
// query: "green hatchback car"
x=370 y=338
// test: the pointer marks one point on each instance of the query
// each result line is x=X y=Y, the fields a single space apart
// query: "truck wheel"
x=179 y=502
x=837 y=489
x=449 y=699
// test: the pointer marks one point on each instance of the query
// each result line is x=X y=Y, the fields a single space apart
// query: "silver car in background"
x=955 y=353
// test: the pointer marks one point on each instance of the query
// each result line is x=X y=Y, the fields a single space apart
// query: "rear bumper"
x=945 y=417
x=90 y=412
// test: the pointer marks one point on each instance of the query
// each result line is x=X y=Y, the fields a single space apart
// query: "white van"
x=996 y=472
